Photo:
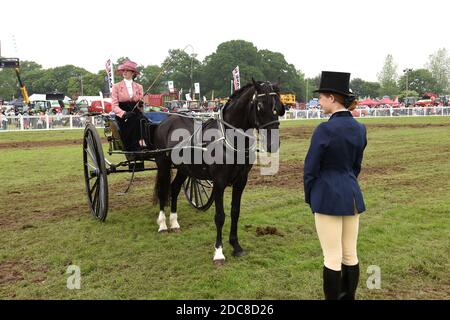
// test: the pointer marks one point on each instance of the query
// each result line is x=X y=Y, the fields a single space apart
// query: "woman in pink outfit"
x=127 y=105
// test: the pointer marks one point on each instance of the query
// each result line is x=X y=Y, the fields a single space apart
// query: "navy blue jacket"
x=332 y=166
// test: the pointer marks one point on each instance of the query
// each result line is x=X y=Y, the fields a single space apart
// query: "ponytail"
x=350 y=102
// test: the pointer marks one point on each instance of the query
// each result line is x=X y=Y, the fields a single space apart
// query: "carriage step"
x=136 y=166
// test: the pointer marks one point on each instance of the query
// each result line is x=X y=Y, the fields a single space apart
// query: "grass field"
x=46 y=226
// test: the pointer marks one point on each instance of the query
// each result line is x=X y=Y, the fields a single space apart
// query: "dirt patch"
x=301 y=132
x=367 y=171
x=14 y=271
x=42 y=144
x=406 y=125
x=268 y=231
x=290 y=175
x=21 y=217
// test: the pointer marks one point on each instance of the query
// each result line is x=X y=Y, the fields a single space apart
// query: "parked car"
x=96 y=106
x=360 y=111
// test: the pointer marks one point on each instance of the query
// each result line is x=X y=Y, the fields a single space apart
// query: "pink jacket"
x=120 y=94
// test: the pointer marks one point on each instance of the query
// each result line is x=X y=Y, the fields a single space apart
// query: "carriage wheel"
x=95 y=174
x=199 y=193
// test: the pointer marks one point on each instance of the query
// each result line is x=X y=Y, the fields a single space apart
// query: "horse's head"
x=266 y=107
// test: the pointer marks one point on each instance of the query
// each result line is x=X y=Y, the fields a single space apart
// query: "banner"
x=102 y=100
x=236 y=79
x=197 y=87
x=170 y=84
x=110 y=74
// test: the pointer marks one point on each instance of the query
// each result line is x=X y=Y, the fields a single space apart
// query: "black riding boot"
x=350 y=278
x=331 y=283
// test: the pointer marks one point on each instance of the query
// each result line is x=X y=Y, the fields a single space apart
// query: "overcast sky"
x=345 y=35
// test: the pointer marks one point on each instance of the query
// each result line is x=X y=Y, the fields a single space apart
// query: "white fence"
x=47 y=122
x=57 y=122
x=371 y=113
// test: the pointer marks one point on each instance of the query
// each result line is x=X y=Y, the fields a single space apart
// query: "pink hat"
x=128 y=65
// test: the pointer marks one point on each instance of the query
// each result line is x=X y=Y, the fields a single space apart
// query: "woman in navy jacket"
x=332 y=166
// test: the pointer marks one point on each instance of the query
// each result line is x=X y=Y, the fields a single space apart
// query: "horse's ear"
x=255 y=84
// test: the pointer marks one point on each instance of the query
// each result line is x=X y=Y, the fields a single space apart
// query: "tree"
x=409 y=93
x=216 y=72
x=148 y=76
x=275 y=68
x=439 y=66
x=181 y=68
x=420 y=81
x=365 y=88
x=357 y=85
x=312 y=84
x=388 y=77
x=371 y=89
x=9 y=86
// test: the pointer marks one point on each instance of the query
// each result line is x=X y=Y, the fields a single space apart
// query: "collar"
x=344 y=113
x=129 y=82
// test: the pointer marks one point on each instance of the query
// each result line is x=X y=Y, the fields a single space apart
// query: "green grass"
x=46 y=225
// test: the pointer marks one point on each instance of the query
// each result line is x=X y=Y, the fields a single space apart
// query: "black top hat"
x=335 y=82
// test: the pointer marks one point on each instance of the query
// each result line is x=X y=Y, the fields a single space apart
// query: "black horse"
x=257 y=105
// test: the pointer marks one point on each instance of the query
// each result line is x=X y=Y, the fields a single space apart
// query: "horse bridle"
x=256 y=103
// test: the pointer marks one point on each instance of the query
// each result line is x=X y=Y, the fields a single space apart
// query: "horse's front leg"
x=175 y=191
x=219 y=219
x=238 y=189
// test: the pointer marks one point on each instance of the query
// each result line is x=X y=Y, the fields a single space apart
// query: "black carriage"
x=97 y=167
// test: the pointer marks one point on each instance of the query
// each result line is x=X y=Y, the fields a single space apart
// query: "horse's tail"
x=162 y=184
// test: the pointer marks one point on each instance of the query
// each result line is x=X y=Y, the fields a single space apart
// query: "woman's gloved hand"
x=128 y=115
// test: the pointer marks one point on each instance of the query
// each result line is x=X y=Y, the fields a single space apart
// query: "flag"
x=102 y=100
x=110 y=74
x=170 y=84
x=197 y=87
x=236 y=78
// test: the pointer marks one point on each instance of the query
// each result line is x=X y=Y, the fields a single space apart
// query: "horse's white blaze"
x=218 y=255
x=161 y=221
x=173 y=221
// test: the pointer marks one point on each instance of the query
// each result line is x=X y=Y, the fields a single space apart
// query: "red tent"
x=387 y=101
x=368 y=102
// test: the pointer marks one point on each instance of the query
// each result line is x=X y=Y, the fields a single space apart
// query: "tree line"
x=214 y=75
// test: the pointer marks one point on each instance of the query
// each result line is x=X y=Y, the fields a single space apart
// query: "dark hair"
x=349 y=102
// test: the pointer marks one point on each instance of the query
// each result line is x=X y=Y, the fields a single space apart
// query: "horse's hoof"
x=239 y=253
x=219 y=263
x=163 y=231
x=175 y=230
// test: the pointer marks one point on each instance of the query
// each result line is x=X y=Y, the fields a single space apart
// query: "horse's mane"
x=238 y=93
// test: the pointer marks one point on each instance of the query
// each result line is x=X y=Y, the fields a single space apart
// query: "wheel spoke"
x=95 y=200
x=99 y=199
x=93 y=187
x=191 y=197
x=200 y=195
x=204 y=191
x=195 y=191
x=89 y=152
x=91 y=148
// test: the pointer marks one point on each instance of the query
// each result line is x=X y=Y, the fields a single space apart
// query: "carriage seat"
x=156 y=117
